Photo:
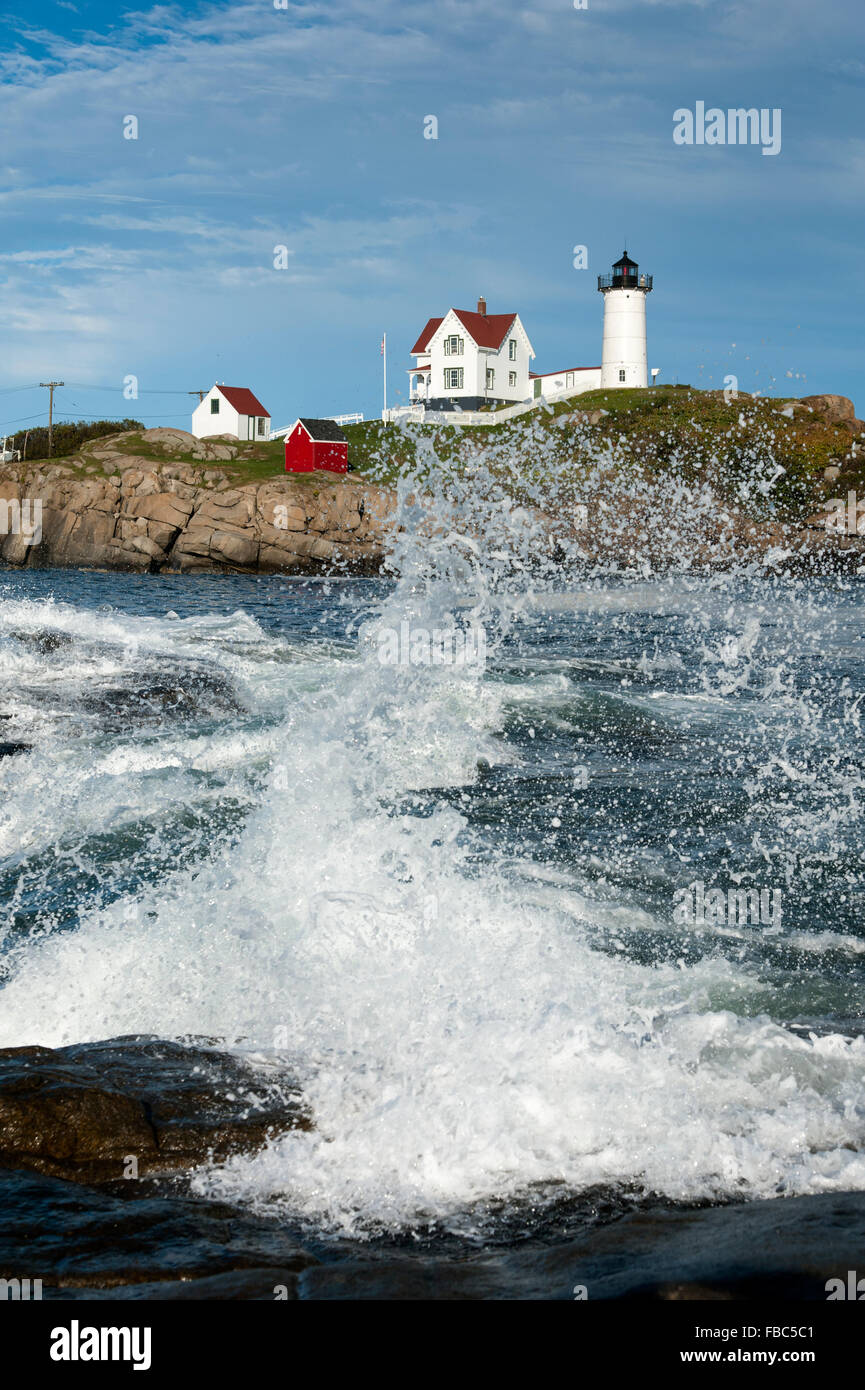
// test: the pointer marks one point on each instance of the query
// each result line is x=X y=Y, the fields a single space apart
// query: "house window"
x=453 y=378
x=453 y=346
x=621 y=374
x=261 y=420
x=214 y=405
x=491 y=378
x=512 y=378
x=512 y=349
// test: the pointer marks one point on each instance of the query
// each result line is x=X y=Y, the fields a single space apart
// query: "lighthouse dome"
x=625 y=276
x=625 y=271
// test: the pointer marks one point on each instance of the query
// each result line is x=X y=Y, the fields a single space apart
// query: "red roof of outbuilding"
x=488 y=330
x=320 y=431
x=242 y=399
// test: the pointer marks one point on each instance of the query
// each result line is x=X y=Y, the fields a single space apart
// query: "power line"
x=84 y=386
x=144 y=391
x=40 y=416
x=92 y=386
x=67 y=417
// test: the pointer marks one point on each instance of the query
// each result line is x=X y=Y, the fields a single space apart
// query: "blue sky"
x=303 y=127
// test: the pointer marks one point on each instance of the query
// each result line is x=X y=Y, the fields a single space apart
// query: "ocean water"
x=443 y=898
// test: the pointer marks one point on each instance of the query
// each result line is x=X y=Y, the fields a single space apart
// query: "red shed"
x=312 y=444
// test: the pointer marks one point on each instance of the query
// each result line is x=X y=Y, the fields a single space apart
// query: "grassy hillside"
x=694 y=435
x=253 y=462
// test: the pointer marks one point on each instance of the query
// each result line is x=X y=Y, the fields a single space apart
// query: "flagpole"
x=384 y=366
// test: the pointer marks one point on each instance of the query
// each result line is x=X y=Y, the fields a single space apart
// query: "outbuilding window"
x=214 y=405
x=512 y=349
x=512 y=378
x=261 y=420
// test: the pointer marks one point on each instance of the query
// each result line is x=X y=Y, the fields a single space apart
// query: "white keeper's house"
x=231 y=410
x=471 y=358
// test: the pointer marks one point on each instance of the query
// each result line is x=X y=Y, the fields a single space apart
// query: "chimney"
x=482 y=305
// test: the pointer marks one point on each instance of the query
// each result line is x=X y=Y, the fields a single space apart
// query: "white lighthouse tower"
x=624 y=355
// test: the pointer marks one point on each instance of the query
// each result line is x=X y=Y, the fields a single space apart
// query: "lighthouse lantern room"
x=623 y=361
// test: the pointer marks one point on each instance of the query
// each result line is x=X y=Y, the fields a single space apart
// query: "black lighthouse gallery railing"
x=624 y=282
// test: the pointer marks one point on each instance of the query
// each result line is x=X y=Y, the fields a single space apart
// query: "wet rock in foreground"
x=74 y=1217
x=784 y=1249
x=139 y=1242
x=154 y=1241
x=83 y=1112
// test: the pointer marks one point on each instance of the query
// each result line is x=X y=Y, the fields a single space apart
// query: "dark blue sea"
x=581 y=917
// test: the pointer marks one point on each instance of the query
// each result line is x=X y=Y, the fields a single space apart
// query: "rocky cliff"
x=111 y=509
x=670 y=477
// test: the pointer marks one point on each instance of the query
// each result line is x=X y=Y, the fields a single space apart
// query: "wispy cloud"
x=304 y=127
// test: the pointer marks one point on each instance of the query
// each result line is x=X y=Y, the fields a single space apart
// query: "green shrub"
x=68 y=436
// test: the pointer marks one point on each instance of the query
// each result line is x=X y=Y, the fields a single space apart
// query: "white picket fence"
x=415 y=414
x=355 y=419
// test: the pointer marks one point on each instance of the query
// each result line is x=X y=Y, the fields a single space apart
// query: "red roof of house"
x=429 y=330
x=242 y=399
x=488 y=330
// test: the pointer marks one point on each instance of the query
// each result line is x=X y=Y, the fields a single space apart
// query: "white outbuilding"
x=573 y=380
x=231 y=410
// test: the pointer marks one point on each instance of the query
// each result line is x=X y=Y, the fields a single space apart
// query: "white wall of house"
x=204 y=422
x=441 y=361
x=253 y=426
x=226 y=420
x=510 y=375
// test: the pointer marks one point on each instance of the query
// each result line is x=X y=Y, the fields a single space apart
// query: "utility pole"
x=51 y=385
x=199 y=394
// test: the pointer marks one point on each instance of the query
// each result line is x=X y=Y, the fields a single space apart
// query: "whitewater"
x=440 y=898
